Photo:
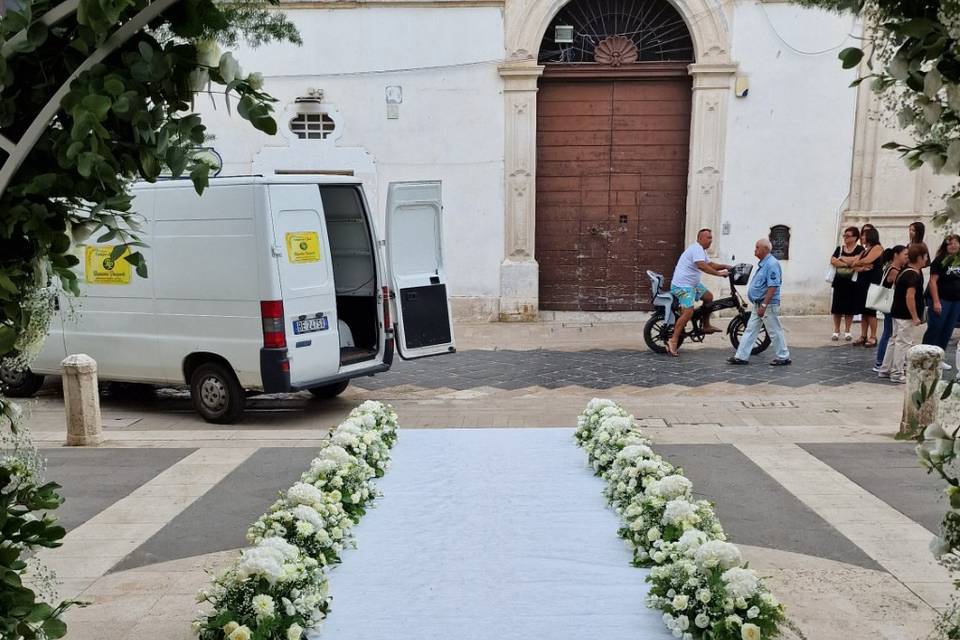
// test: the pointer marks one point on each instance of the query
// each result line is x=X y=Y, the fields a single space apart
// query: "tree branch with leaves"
x=130 y=117
x=911 y=55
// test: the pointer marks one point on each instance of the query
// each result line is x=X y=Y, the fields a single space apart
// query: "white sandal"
x=835 y=337
x=847 y=337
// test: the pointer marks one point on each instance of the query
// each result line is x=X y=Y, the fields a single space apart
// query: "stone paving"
x=800 y=462
x=604 y=369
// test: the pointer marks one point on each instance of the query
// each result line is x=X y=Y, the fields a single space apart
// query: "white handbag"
x=831 y=274
x=879 y=297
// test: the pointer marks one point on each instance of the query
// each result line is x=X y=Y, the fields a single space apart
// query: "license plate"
x=309 y=325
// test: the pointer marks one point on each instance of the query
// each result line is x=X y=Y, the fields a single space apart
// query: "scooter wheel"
x=736 y=328
x=656 y=333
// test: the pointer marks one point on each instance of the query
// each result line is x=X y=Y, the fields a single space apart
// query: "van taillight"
x=386 y=309
x=271 y=314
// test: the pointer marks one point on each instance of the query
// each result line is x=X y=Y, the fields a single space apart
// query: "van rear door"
x=303 y=258
x=415 y=261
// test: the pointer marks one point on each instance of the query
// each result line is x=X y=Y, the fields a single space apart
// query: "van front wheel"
x=216 y=393
x=19 y=383
x=330 y=390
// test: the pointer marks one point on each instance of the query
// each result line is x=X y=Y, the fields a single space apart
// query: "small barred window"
x=312 y=126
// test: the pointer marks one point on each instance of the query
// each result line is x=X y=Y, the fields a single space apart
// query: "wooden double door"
x=612 y=165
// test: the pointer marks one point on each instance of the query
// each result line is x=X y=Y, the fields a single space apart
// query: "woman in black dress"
x=869 y=269
x=845 y=294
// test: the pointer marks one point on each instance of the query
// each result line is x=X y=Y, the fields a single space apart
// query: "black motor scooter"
x=666 y=308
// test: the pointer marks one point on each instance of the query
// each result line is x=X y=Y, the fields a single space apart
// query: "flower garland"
x=698 y=579
x=277 y=589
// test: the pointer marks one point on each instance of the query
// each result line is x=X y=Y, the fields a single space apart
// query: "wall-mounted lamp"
x=563 y=34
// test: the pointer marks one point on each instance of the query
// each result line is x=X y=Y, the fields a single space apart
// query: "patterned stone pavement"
x=604 y=369
x=137 y=548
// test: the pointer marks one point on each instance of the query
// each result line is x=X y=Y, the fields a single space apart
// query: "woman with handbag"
x=869 y=267
x=845 y=301
x=896 y=260
x=944 y=293
x=907 y=311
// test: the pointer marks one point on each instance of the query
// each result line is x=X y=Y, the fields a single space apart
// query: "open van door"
x=415 y=261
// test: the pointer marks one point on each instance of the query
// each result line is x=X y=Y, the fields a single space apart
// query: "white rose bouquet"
x=612 y=435
x=653 y=524
x=591 y=417
x=336 y=470
x=269 y=590
x=379 y=416
x=321 y=529
x=634 y=468
x=714 y=602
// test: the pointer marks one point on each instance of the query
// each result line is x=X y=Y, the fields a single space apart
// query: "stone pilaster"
x=711 y=94
x=519 y=272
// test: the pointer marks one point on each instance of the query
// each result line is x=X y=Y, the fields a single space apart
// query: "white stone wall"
x=789 y=142
x=450 y=124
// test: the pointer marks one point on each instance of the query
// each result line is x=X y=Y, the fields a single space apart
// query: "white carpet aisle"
x=489 y=534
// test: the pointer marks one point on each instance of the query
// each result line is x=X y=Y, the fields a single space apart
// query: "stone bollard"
x=923 y=368
x=82 y=400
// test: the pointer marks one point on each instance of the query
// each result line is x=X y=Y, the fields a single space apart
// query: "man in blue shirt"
x=764 y=294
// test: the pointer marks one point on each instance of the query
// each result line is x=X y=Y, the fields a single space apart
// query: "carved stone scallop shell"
x=616 y=51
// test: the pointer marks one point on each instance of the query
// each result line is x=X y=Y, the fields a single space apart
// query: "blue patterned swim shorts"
x=688 y=296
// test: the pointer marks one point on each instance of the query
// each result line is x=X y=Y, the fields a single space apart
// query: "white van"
x=262 y=284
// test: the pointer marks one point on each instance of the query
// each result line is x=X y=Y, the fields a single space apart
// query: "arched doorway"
x=613 y=140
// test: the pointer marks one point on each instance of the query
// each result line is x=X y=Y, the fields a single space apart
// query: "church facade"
x=582 y=142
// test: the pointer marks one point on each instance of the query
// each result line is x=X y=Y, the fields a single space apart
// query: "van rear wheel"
x=330 y=390
x=19 y=384
x=216 y=393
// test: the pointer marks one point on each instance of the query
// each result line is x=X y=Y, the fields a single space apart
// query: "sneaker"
x=835 y=337
x=882 y=374
x=898 y=380
x=781 y=362
x=877 y=369
x=945 y=366
x=736 y=360
x=847 y=337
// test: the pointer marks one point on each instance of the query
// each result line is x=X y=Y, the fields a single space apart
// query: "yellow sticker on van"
x=303 y=246
x=100 y=268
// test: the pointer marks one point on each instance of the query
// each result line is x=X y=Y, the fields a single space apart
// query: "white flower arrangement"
x=633 y=469
x=698 y=579
x=277 y=589
x=591 y=417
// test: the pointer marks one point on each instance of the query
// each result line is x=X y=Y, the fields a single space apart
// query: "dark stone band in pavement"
x=601 y=369
x=757 y=510
x=753 y=507
x=219 y=519
x=93 y=479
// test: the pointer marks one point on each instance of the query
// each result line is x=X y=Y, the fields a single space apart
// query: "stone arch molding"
x=705 y=19
x=525 y=22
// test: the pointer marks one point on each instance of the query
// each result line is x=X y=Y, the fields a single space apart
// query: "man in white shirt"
x=687 y=288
